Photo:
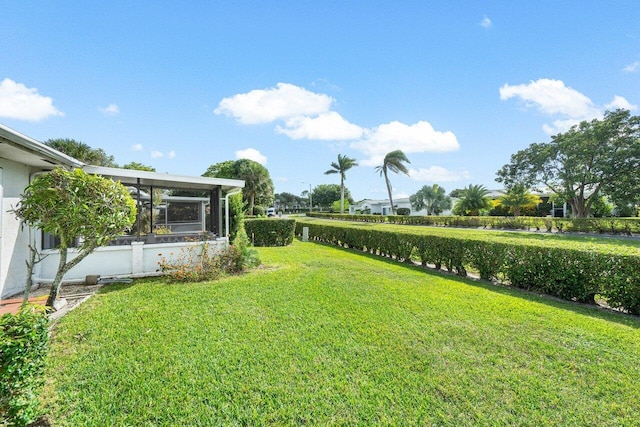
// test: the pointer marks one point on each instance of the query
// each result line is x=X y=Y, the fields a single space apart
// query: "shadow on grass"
x=594 y=311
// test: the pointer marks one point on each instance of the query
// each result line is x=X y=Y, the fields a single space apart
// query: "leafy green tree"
x=343 y=164
x=81 y=151
x=518 y=197
x=139 y=167
x=226 y=169
x=394 y=162
x=287 y=201
x=258 y=186
x=472 y=199
x=340 y=204
x=590 y=159
x=325 y=194
x=74 y=205
x=432 y=198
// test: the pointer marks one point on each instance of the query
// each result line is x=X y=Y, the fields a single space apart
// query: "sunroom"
x=175 y=212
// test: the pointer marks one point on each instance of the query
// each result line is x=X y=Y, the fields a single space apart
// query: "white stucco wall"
x=134 y=260
x=14 y=241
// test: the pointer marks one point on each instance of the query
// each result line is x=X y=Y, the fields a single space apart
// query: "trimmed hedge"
x=624 y=226
x=23 y=347
x=575 y=273
x=271 y=231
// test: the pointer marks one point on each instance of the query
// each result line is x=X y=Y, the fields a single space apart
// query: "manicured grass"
x=326 y=336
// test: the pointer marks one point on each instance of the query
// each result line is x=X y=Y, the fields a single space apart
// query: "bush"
x=270 y=232
x=403 y=211
x=259 y=211
x=626 y=226
x=23 y=347
x=576 y=273
x=201 y=263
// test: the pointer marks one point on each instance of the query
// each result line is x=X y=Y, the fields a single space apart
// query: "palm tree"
x=434 y=199
x=472 y=199
x=394 y=161
x=342 y=166
x=518 y=197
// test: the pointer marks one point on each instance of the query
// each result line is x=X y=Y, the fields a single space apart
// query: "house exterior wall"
x=135 y=260
x=14 y=239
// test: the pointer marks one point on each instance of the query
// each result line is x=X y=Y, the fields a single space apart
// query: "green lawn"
x=326 y=336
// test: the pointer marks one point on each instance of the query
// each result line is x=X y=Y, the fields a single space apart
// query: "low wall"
x=135 y=260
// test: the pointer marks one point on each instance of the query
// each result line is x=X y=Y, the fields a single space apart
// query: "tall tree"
x=139 y=166
x=590 y=159
x=81 y=151
x=72 y=205
x=518 y=197
x=258 y=186
x=472 y=199
x=343 y=164
x=432 y=198
x=325 y=194
x=394 y=162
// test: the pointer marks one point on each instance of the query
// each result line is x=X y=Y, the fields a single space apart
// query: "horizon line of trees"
x=593 y=167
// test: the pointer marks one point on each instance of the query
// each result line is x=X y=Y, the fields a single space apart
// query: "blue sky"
x=458 y=85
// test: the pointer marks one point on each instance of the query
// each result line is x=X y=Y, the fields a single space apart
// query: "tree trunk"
x=341 y=196
x=55 y=286
x=30 y=265
x=393 y=211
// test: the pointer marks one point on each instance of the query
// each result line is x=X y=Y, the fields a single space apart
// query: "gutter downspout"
x=226 y=210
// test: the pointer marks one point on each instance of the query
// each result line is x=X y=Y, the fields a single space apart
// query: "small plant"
x=24 y=341
x=201 y=263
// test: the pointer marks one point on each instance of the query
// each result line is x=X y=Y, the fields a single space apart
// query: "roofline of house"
x=15 y=138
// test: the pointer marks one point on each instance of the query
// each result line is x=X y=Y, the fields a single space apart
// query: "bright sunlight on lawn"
x=322 y=335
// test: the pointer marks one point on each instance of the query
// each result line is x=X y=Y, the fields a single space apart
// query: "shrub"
x=572 y=272
x=627 y=226
x=270 y=232
x=403 y=211
x=259 y=211
x=23 y=347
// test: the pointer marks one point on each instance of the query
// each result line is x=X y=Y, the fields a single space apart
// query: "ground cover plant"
x=328 y=336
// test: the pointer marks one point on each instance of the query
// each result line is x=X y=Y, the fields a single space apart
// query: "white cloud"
x=268 y=105
x=632 y=68
x=486 y=22
x=416 y=138
x=252 y=154
x=438 y=174
x=157 y=154
x=281 y=179
x=327 y=126
x=553 y=98
x=110 y=110
x=171 y=154
x=620 y=102
x=136 y=147
x=20 y=102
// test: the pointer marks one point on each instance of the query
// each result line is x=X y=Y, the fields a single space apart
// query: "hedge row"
x=270 y=232
x=624 y=226
x=23 y=347
x=576 y=274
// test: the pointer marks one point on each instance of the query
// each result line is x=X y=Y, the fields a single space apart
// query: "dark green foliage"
x=612 y=225
x=577 y=273
x=81 y=151
x=270 y=232
x=404 y=211
x=23 y=348
x=236 y=215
